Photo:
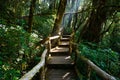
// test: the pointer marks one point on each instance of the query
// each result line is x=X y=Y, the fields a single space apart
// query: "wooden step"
x=60 y=62
x=64 y=44
x=59 y=51
x=61 y=74
x=66 y=36
x=65 y=39
x=60 y=66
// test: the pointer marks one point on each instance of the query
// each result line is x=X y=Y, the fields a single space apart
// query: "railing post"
x=70 y=46
x=70 y=42
x=42 y=73
x=88 y=72
x=58 y=40
x=75 y=60
x=49 y=44
x=44 y=68
x=60 y=35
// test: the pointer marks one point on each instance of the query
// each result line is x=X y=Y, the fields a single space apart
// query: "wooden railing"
x=90 y=65
x=40 y=67
x=36 y=69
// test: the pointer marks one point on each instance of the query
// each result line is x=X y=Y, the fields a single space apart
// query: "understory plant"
x=17 y=48
x=105 y=58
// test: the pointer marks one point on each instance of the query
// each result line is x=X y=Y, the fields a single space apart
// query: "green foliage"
x=115 y=37
x=11 y=39
x=112 y=37
x=43 y=24
x=8 y=73
x=106 y=59
x=17 y=47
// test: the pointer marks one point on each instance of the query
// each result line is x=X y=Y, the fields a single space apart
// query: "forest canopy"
x=26 y=24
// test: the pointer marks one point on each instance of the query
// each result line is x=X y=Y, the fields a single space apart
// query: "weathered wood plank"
x=54 y=37
x=61 y=74
x=60 y=60
x=32 y=72
x=64 y=43
x=59 y=49
x=65 y=39
x=61 y=67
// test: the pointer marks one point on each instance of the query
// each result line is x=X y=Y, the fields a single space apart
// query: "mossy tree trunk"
x=60 y=13
x=30 y=20
x=92 y=30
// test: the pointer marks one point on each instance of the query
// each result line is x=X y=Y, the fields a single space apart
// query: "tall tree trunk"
x=72 y=9
x=92 y=29
x=60 y=14
x=30 y=20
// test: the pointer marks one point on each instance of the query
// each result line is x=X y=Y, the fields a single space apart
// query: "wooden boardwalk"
x=60 y=65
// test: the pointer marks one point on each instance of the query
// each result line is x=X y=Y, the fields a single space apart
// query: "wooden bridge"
x=56 y=62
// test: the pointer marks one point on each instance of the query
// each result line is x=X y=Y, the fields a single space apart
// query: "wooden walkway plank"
x=66 y=36
x=60 y=65
x=60 y=74
x=64 y=43
x=60 y=60
x=59 y=49
x=65 y=39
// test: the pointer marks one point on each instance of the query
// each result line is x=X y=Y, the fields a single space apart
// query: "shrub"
x=106 y=59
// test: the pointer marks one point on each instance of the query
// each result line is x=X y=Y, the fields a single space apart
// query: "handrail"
x=34 y=70
x=98 y=70
x=54 y=37
x=41 y=64
x=31 y=73
x=92 y=66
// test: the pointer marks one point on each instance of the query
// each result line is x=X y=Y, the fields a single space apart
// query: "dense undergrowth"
x=20 y=50
x=16 y=50
x=106 y=59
